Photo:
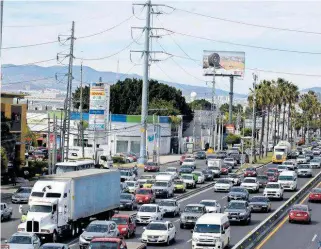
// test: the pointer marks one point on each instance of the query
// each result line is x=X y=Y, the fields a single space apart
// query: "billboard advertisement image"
x=225 y=63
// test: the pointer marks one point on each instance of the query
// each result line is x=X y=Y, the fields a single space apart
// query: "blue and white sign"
x=97 y=107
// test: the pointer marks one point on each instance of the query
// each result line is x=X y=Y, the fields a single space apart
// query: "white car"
x=23 y=241
x=223 y=185
x=189 y=162
x=159 y=232
x=304 y=170
x=251 y=184
x=212 y=206
x=282 y=168
x=301 y=159
x=200 y=176
x=189 y=180
x=273 y=190
x=132 y=186
x=148 y=213
x=173 y=171
x=291 y=164
x=170 y=207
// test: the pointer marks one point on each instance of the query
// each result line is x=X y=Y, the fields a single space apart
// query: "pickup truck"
x=239 y=211
x=6 y=212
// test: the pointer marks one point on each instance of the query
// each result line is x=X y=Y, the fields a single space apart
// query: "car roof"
x=122 y=215
x=54 y=244
x=101 y=222
x=209 y=200
x=212 y=218
x=253 y=178
x=238 y=201
x=150 y=205
x=106 y=239
x=23 y=234
x=195 y=205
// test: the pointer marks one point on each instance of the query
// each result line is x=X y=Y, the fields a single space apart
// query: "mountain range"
x=33 y=77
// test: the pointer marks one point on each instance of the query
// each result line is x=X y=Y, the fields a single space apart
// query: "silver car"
x=24 y=241
x=315 y=163
x=98 y=228
x=21 y=195
x=170 y=207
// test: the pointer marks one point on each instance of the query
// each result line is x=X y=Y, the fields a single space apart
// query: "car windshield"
x=150 y=181
x=258 y=199
x=285 y=178
x=188 y=161
x=151 y=164
x=143 y=191
x=197 y=173
x=119 y=220
x=208 y=203
x=130 y=184
x=20 y=240
x=300 y=208
x=232 y=175
x=207 y=228
x=241 y=190
x=248 y=180
x=193 y=209
x=186 y=167
x=51 y=247
x=288 y=163
x=171 y=169
x=229 y=159
x=270 y=174
x=160 y=184
x=124 y=173
x=316 y=190
x=40 y=209
x=315 y=161
x=303 y=166
x=148 y=209
x=156 y=226
x=126 y=197
x=250 y=169
x=144 y=177
x=179 y=182
x=187 y=177
x=24 y=191
x=167 y=203
x=225 y=181
x=104 y=245
x=97 y=228
x=236 y=205
x=301 y=156
x=271 y=185
x=262 y=177
x=282 y=167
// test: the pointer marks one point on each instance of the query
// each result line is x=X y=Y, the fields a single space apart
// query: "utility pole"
x=194 y=117
x=230 y=113
x=219 y=133
x=222 y=125
x=213 y=112
x=48 y=145
x=158 y=140
x=1 y=25
x=179 y=135
x=66 y=125
x=253 y=154
x=81 y=116
x=155 y=142
x=55 y=144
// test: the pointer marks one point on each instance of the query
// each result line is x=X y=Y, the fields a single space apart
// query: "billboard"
x=225 y=63
x=98 y=106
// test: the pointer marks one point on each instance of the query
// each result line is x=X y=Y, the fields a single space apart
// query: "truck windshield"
x=161 y=184
x=40 y=209
x=207 y=228
x=103 y=245
x=279 y=150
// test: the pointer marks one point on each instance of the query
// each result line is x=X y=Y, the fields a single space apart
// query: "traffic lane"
x=298 y=235
x=9 y=227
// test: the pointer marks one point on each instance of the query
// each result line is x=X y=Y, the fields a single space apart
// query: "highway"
x=296 y=235
x=183 y=237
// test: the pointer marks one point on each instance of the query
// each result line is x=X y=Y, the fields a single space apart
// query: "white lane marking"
x=224 y=197
x=314 y=237
x=73 y=242
x=176 y=220
x=193 y=195
x=189 y=241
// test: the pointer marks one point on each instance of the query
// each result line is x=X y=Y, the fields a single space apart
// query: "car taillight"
x=146 y=198
x=305 y=214
x=291 y=213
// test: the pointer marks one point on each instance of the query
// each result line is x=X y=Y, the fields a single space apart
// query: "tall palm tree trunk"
x=289 y=124
x=283 y=121
x=268 y=130
x=262 y=134
x=274 y=131
x=278 y=124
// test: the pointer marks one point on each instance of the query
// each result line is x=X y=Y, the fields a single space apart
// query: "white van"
x=214 y=162
x=164 y=176
x=212 y=230
x=288 y=180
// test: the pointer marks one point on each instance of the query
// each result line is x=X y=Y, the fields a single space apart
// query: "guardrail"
x=257 y=234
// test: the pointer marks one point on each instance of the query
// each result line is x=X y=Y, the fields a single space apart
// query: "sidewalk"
x=163 y=160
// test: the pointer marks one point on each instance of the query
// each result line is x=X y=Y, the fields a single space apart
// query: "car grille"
x=207 y=240
x=236 y=197
x=145 y=217
x=152 y=237
x=304 y=172
x=35 y=226
x=89 y=238
x=203 y=244
x=234 y=214
x=191 y=218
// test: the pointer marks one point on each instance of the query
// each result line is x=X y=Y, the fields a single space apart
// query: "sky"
x=33 y=22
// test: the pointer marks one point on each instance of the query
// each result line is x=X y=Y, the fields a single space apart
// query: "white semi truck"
x=281 y=151
x=61 y=205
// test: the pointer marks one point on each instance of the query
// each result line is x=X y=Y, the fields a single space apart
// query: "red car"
x=126 y=224
x=273 y=170
x=150 y=166
x=271 y=177
x=250 y=172
x=300 y=213
x=224 y=170
x=145 y=196
x=315 y=195
x=181 y=160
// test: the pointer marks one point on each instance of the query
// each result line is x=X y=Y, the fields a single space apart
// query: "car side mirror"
x=83 y=229
x=223 y=232
x=192 y=231
x=6 y=241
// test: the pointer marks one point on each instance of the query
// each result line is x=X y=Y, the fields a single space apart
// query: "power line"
x=26 y=81
x=247 y=45
x=26 y=64
x=249 y=24
x=30 y=45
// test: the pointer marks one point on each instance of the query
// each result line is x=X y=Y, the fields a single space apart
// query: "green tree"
x=200 y=104
x=233 y=139
x=4 y=160
x=247 y=132
x=85 y=97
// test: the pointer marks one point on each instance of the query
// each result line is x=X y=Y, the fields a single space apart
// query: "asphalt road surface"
x=296 y=235
x=183 y=237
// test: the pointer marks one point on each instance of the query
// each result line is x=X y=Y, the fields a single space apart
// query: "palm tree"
x=293 y=98
x=268 y=91
x=276 y=101
x=283 y=87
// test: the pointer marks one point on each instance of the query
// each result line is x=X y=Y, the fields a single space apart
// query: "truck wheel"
x=73 y=230
x=1 y=218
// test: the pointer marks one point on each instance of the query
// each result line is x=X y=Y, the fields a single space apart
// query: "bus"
x=64 y=167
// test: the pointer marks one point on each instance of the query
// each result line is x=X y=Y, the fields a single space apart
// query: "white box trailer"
x=61 y=204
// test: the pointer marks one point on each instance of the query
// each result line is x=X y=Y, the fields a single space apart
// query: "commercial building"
x=14 y=117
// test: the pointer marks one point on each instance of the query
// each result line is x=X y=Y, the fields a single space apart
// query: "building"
x=14 y=114
x=123 y=135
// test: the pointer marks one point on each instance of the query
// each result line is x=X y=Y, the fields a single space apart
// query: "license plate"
x=189 y=221
x=140 y=201
x=121 y=205
x=152 y=240
x=233 y=218
x=298 y=215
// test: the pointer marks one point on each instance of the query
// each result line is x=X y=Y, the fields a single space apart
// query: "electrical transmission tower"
x=68 y=100
x=147 y=60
